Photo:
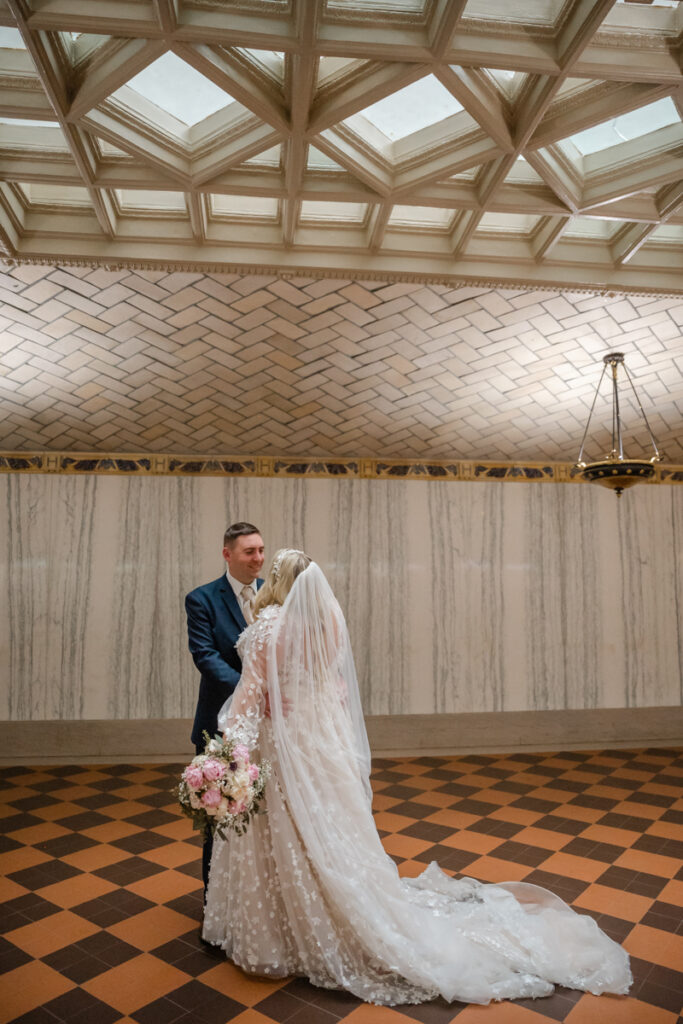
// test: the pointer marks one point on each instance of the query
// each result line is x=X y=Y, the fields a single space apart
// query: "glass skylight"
x=322 y=162
x=351 y=213
x=593 y=227
x=268 y=158
x=668 y=233
x=417 y=106
x=55 y=195
x=421 y=216
x=10 y=39
x=177 y=88
x=528 y=12
x=137 y=199
x=263 y=207
x=518 y=223
x=626 y=127
x=21 y=122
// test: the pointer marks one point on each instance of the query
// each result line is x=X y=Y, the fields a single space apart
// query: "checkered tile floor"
x=101 y=898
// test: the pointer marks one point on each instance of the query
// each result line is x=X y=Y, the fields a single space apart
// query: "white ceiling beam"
x=231 y=75
x=594 y=106
x=290 y=219
x=18 y=101
x=106 y=123
x=105 y=17
x=377 y=225
x=442 y=25
x=253 y=139
x=349 y=98
x=548 y=232
x=630 y=178
x=643 y=60
x=559 y=174
x=513 y=52
x=124 y=59
x=465 y=225
x=12 y=218
x=363 y=164
x=480 y=99
x=440 y=165
x=253 y=29
x=197 y=211
x=629 y=240
x=166 y=12
x=492 y=177
x=584 y=20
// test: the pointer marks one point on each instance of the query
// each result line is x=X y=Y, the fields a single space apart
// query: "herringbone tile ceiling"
x=338 y=227
x=521 y=141
x=97 y=360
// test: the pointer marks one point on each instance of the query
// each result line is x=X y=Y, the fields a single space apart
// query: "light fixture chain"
x=633 y=388
x=595 y=398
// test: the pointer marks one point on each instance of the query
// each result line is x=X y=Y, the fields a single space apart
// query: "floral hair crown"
x=279 y=559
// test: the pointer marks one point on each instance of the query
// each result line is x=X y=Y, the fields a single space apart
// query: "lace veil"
x=316 y=713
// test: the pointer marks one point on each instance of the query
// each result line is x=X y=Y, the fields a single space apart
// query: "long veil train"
x=309 y=890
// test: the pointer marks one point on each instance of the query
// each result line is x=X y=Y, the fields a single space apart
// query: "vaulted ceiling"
x=534 y=142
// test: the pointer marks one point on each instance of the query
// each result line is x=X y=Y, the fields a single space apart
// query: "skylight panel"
x=263 y=207
x=668 y=233
x=55 y=195
x=515 y=223
x=604 y=228
x=626 y=127
x=527 y=12
x=139 y=200
x=416 y=106
x=10 y=39
x=421 y=216
x=22 y=122
x=350 y=213
x=177 y=88
x=268 y=158
x=321 y=161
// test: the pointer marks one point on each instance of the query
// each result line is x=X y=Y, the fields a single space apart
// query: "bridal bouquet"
x=222 y=788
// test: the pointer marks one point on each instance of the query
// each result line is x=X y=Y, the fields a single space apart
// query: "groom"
x=216 y=615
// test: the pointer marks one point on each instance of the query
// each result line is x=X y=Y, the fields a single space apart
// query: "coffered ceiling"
x=533 y=142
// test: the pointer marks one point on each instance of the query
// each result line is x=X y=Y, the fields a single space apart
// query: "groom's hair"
x=238 y=530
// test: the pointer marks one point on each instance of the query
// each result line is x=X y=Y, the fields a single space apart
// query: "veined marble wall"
x=459 y=596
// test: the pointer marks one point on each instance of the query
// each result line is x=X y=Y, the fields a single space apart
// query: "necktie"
x=247 y=594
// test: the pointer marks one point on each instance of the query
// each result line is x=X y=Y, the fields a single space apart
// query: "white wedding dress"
x=309 y=889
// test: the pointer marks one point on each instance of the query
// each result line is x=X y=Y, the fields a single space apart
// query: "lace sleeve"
x=249 y=699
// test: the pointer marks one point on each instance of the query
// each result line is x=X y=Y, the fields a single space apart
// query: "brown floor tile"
x=135 y=983
x=574 y=867
x=617 y=1010
x=374 y=1015
x=672 y=893
x=94 y=857
x=474 y=842
x=29 y=986
x=111 y=831
x=657 y=946
x=251 y=1017
x=49 y=934
x=152 y=927
x=76 y=890
x=405 y=847
x=171 y=856
x=233 y=982
x=163 y=887
x=604 y=900
x=21 y=858
x=653 y=864
x=490 y=869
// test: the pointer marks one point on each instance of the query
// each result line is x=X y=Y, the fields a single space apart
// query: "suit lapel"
x=232 y=604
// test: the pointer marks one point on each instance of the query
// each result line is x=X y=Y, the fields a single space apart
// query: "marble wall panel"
x=459 y=596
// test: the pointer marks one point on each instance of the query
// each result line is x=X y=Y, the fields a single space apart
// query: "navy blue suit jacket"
x=214 y=622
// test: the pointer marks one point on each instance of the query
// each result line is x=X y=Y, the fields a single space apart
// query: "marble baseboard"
x=167 y=740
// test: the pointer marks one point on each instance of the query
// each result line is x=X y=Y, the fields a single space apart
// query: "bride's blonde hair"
x=287 y=564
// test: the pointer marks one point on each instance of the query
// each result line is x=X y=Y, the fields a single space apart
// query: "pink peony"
x=194 y=776
x=213 y=770
x=253 y=772
x=241 y=751
x=212 y=798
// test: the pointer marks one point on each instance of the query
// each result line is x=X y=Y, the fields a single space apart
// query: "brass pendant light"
x=615 y=470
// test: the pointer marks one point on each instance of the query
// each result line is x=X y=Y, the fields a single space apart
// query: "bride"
x=309 y=889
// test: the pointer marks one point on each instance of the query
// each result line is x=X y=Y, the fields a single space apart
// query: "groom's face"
x=245 y=557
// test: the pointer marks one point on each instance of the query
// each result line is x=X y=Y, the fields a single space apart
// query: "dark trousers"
x=207 y=849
